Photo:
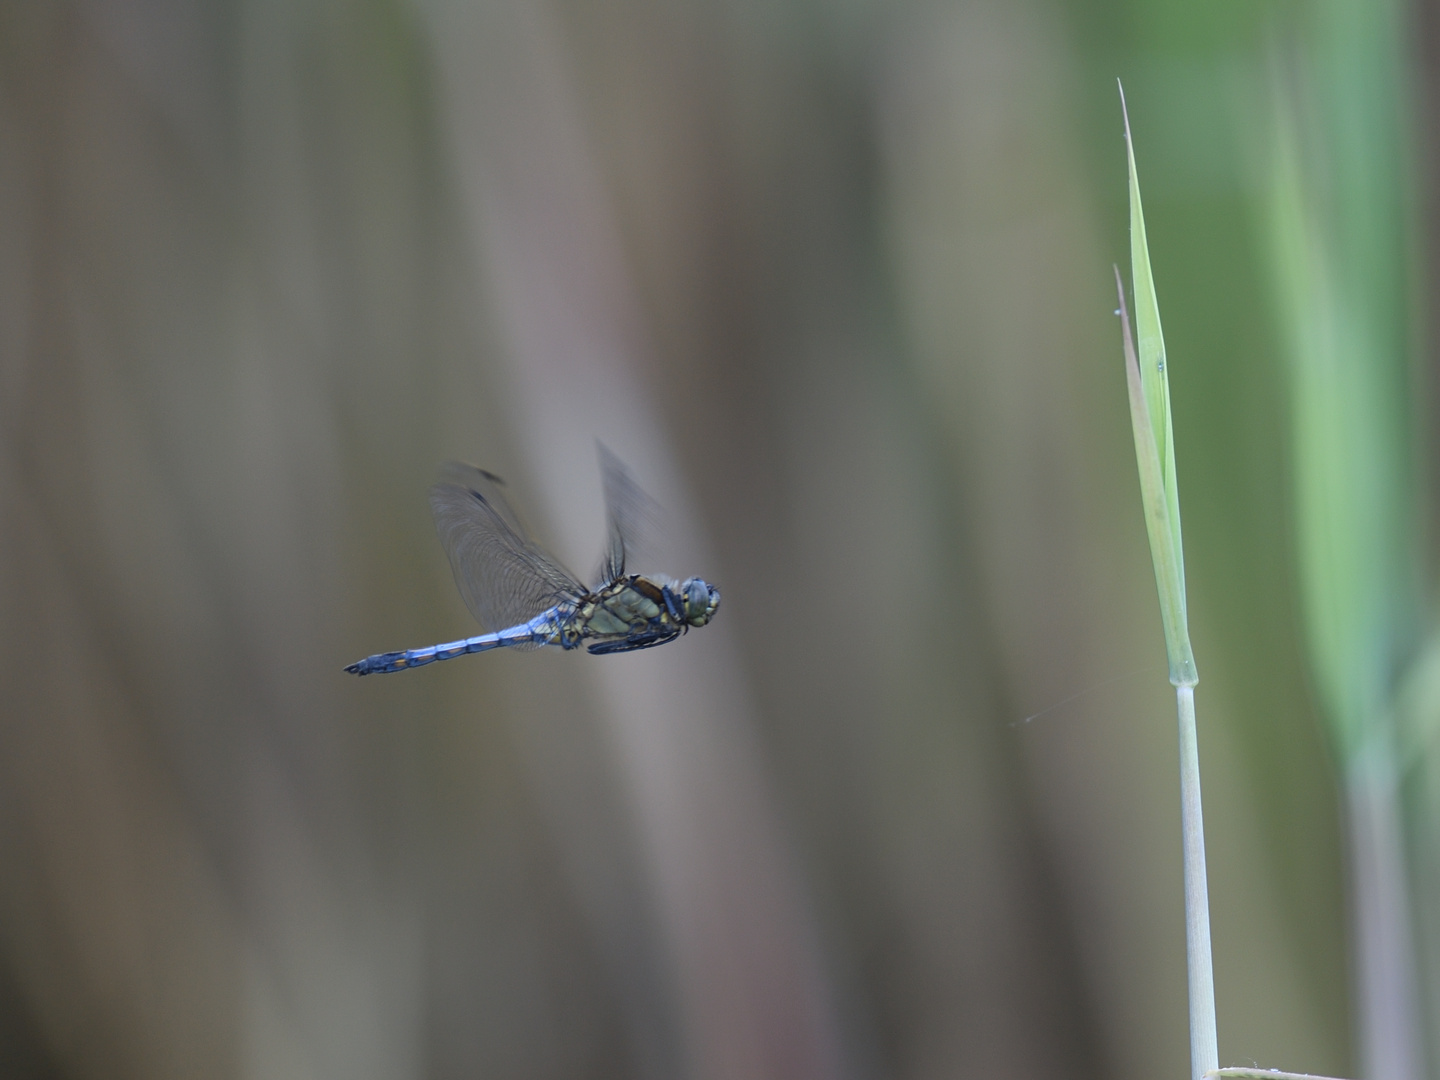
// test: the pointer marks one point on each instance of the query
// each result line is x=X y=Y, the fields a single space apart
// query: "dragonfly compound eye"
x=701 y=600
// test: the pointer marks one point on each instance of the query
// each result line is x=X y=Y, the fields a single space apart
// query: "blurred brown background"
x=835 y=280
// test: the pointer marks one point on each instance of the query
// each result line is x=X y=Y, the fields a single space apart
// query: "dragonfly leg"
x=631 y=644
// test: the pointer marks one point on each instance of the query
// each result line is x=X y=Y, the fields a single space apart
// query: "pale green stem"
x=1389 y=1029
x=1204 y=1046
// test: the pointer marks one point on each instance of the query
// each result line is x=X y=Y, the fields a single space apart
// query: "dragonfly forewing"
x=632 y=515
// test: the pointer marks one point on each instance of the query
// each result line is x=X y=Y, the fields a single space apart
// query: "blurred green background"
x=835 y=280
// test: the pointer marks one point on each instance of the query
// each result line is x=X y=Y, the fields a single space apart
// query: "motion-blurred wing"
x=633 y=516
x=504 y=577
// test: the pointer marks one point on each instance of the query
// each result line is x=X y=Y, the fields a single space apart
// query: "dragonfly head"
x=699 y=600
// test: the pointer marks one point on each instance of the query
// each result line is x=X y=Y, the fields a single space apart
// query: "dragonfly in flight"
x=526 y=599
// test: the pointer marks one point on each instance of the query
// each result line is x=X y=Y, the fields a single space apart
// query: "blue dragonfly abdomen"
x=541 y=630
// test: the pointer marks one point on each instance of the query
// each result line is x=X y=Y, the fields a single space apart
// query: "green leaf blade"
x=1149 y=378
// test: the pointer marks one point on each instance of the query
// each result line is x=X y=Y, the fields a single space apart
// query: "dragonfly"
x=526 y=599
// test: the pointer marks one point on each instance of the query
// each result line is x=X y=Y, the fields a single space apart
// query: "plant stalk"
x=1390 y=1037
x=1204 y=1045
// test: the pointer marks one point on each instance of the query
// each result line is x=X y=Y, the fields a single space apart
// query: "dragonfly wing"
x=632 y=513
x=504 y=577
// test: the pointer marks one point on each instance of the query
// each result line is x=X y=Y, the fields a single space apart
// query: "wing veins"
x=504 y=577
